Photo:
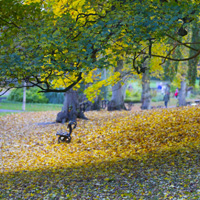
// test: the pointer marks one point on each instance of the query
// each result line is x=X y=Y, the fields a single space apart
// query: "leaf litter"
x=114 y=155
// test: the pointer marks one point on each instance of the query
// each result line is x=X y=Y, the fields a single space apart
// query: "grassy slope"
x=114 y=155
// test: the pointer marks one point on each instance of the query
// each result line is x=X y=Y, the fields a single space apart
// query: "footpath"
x=4 y=110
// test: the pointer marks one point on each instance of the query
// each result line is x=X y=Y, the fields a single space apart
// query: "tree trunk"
x=71 y=108
x=96 y=104
x=24 y=97
x=146 y=95
x=117 y=99
x=182 y=92
x=199 y=80
x=192 y=69
x=105 y=88
x=124 y=86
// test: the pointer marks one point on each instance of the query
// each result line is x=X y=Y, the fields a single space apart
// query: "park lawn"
x=114 y=155
x=31 y=106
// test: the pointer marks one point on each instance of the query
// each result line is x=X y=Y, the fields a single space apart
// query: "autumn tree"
x=53 y=47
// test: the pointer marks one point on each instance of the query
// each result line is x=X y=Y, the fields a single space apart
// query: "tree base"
x=65 y=116
x=112 y=106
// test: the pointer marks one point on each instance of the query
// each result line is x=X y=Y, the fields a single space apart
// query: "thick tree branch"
x=175 y=59
x=5 y=91
x=67 y=88
x=32 y=84
x=184 y=44
x=169 y=53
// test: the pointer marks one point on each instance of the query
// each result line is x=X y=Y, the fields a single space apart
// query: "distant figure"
x=167 y=89
x=130 y=87
x=166 y=99
x=160 y=86
x=176 y=93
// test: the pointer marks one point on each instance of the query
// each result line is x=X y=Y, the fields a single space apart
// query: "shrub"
x=157 y=98
x=154 y=93
x=32 y=96
x=133 y=95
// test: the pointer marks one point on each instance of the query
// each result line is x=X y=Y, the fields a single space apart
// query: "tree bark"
x=192 y=69
x=199 y=80
x=182 y=92
x=24 y=97
x=117 y=99
x=71 y=108
x=104 y=89
x=146 y=95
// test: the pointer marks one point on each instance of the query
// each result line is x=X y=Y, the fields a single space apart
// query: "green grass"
x=30 y=106
x=5 y=113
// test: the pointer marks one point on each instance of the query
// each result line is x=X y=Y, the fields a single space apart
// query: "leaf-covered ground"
x=114 y=155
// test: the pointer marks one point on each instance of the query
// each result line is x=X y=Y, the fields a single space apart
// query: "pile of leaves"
x=113 y=155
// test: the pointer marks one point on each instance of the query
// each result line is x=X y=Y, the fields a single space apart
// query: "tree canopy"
x=55 y=44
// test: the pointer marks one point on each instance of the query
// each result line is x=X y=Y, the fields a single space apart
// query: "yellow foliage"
x=90 y=76
x=73 y=7
x=159 y=48
x=94 y=90
x=64 y=80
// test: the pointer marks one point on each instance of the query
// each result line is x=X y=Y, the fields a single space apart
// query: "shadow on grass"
x=166 y=175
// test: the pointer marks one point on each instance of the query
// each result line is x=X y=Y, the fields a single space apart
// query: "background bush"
x=32 y=96
x=133 y=95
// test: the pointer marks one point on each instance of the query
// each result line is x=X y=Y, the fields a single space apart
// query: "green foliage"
x=157 y=98
x=173 y=88
x=133 y=95
x=154 y=93
x=32 y=96
x=49 y=45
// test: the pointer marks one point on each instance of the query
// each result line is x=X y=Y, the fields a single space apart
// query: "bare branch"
x=5 y=91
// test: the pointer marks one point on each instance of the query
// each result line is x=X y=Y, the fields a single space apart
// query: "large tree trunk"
x=199 y=80
x=192 y=69
x=71 y=108
x=104 y=88
x=117 y=99
x=97 y=101
x=146 y=95
x=182 y=92
x=96 y=104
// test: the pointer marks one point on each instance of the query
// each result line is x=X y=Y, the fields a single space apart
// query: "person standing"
x=166 y=99
x=176 y=93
